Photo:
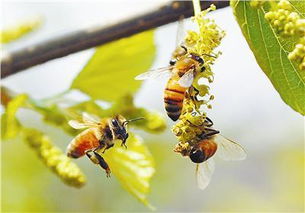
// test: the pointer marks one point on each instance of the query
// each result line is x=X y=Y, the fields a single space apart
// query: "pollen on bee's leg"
x=102 y=163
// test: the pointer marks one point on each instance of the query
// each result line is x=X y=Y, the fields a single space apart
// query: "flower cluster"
x=192 y=120
x=289 y=23
x=54 y=158
x=189 y=128
x=256 y=3
x=285 y=21
x=298 y=54
x=203 y=43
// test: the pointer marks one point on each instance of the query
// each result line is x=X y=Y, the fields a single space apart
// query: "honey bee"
x=210 y=144
x=182 y=70
x=98 y=136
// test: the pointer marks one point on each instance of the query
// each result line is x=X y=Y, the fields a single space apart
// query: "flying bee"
x=182 y=70
x=98 y=136
x=203 y=149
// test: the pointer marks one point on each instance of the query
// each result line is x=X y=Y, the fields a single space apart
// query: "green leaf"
x=15 y=32
x=271 y=52
x=110 y=72
x=10 y=126
x=133 y=166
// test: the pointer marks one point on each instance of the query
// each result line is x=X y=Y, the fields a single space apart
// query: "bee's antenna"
x=132 y=120
x=213 y=56
x=183 y=47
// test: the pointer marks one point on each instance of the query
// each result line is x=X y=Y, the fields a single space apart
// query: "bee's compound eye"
x=114 y=122
x=197 y=156
x=172 y=62
x=202 y=69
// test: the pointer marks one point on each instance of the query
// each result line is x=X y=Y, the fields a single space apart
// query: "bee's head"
x=119 y=127
x=197 y=155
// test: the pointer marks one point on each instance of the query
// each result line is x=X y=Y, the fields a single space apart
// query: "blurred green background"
x=247 y=109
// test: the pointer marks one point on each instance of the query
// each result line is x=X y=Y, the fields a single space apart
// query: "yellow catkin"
x=202 y=42
x=54 y=158
x=298 y=54
x=256 y=3
x=17 y=31
x=285 y=21
x=188 y=129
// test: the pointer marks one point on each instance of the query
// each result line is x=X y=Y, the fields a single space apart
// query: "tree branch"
x=62 y=46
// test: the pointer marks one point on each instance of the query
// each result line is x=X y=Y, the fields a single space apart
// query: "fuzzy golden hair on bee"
x=98 y=136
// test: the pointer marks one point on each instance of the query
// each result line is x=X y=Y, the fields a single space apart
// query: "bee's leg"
x=124 y=144
x=194 y=98
x=196 y=90
x=102 y=163
x=92 y=158
x=103 y=146
x=109 y=146
x=208 y=122
x=210 y=132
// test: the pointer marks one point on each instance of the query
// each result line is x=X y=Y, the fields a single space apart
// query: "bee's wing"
x=90 y=120
x=77 y=125
x=229 y=150
x=181 y=33
x=187 y=79
x=156 y=73
x=204 y=172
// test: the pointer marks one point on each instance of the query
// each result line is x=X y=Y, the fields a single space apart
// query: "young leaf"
x=133 y=167
x=15 y=32
x=271 y=52
x=110 y=72
x=9 y=124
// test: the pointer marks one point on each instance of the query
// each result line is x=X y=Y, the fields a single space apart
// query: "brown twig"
x=62 y=46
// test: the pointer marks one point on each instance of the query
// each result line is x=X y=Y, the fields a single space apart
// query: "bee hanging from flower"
x=100 y=135
x=183 y=67
x=201 y=143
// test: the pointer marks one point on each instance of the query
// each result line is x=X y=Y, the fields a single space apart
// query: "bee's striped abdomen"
x=208 y=147
x=173 y=98
x=81 y=143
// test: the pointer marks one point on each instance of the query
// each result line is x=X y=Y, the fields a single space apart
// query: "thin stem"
x=62 y=46
x=197 y=8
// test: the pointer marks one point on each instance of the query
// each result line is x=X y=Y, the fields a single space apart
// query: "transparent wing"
x=156 y=73
x=89 y=119
x=204 y=172
x=229 y=150
x=187 y=79
x=77 y=125
x=181 y=33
